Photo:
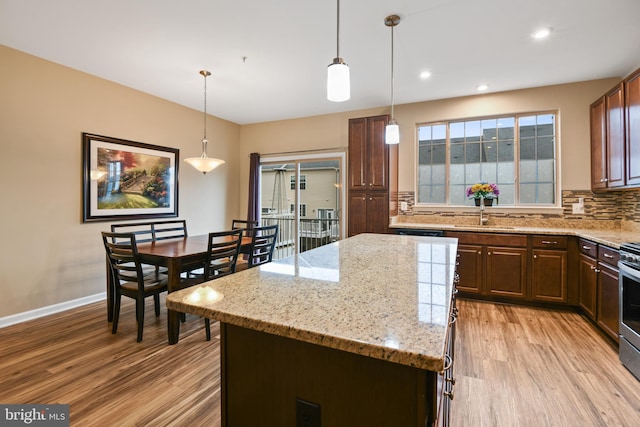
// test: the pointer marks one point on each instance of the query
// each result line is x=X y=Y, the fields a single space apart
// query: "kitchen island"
x=357 y=332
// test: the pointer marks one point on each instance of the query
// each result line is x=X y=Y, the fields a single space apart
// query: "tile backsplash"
x=602 y=210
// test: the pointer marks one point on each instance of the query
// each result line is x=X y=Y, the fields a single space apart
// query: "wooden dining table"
x=176 y=255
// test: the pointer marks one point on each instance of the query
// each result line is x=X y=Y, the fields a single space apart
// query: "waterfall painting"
x=128 y=180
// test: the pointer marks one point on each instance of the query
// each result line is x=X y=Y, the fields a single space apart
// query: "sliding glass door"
x=303 y=195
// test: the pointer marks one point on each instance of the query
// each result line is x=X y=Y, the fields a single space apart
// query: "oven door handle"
x=628 y=271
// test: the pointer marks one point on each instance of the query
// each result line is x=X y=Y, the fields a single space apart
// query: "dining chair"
x=129 y=278
x=223 y=250
x=244 y=224
x=263 y=243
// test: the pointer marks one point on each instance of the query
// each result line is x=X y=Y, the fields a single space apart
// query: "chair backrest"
x=124 y=261
x=263 y=243
x=163 y=230
x=222 y=254
x=153 y=231
x=245 y=225
x=142 y=231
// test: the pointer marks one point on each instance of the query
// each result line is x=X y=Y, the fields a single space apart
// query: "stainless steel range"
x=629 y=266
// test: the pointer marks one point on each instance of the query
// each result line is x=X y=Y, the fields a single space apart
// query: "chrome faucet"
x=484 y=218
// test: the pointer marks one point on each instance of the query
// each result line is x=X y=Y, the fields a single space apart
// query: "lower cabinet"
x=549 y=268
x=506 y=274
x=368 y=212
x=599 y=286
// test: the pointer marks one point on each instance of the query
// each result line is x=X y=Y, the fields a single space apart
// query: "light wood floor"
x=515 y=366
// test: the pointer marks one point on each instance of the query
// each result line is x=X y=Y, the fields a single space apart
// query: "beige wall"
x=330 y=131
x=47 y=255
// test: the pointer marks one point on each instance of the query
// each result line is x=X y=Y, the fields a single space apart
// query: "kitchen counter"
x=359 y=330
x=612 y=238
x=380 y=296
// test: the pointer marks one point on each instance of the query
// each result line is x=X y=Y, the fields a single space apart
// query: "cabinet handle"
x=370 y=198
x=364 y=198
x=549 y=242
x=606 y=179
x=586 y=248
x=535 y=257
x=453 y=319
x=370 y=184
x=596 y=270
x=448 y=362
x=607 y=256
x=479 y=253
x=449 y=394
x=593 y=267
x=488 y=253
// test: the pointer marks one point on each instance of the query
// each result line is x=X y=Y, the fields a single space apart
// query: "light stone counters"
x=381 y=296
x=612 y=238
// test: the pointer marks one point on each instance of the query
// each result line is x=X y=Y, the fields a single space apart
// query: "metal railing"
x=313 y=233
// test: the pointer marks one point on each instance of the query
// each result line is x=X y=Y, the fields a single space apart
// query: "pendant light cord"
x=338 y=32
x=392 y=77
x=205 y=106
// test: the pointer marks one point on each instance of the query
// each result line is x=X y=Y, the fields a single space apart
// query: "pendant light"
x=338 y=80
x=203 y=163
x=392 y=131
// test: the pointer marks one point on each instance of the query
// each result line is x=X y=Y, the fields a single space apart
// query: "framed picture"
x=128 y=180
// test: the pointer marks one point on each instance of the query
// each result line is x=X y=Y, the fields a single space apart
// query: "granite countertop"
x=608 y=237
x=381 y=296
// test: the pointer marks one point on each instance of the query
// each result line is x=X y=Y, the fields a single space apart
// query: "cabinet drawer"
x=608 y=255
x=588 y=248
x=495 y=239
x=549 y=242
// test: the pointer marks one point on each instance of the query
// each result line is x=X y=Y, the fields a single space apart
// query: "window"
x=303 y=182
x=303 y=209
x=516 y=152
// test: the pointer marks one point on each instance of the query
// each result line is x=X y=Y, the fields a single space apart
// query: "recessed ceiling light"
x=542 y=33
x=482 y=87
x=425 y=74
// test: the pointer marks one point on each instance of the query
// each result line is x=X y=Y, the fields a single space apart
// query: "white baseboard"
x=51 y=309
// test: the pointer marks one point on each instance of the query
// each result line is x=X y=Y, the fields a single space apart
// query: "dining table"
x=177 y=255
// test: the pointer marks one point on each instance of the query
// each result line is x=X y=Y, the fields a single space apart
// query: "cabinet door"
x=598 y=145
x=588 y=285
x=507 y=272
x=615 y=137
x=357 y=212
x=632 y=102
x=470 y=268
x=377 y=212
x=357 y=153
x=377 y=158
x=608 y=302
x=549 y=276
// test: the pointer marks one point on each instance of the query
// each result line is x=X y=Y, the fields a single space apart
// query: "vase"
x=487 y=202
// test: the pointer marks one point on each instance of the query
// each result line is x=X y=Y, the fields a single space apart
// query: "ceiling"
x=268 y=58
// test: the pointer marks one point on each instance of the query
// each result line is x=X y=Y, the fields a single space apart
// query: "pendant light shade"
x=204 y=163
x=338 y=78
x=392 y=131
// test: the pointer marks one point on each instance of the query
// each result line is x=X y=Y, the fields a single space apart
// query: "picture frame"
x=124 y=180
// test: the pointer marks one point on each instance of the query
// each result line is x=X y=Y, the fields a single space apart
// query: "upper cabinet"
x=614 y=101
x=598 y=145
x=368 y=154
x=615 y=136
x=632 y=104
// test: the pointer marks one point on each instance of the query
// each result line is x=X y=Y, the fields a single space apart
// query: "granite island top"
x=381 y=296
x=609 y=237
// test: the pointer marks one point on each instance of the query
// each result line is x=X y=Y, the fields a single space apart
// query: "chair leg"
x=207 y=328
x=156 y=301
x=116 y=313
x=140 y=316
x=183 y=317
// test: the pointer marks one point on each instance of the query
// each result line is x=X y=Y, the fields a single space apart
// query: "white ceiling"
x=158 y=47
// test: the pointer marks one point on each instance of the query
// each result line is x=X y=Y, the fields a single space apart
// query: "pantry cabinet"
x=372 y=176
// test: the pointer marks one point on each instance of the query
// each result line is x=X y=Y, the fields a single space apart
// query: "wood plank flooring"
x=515 y=366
